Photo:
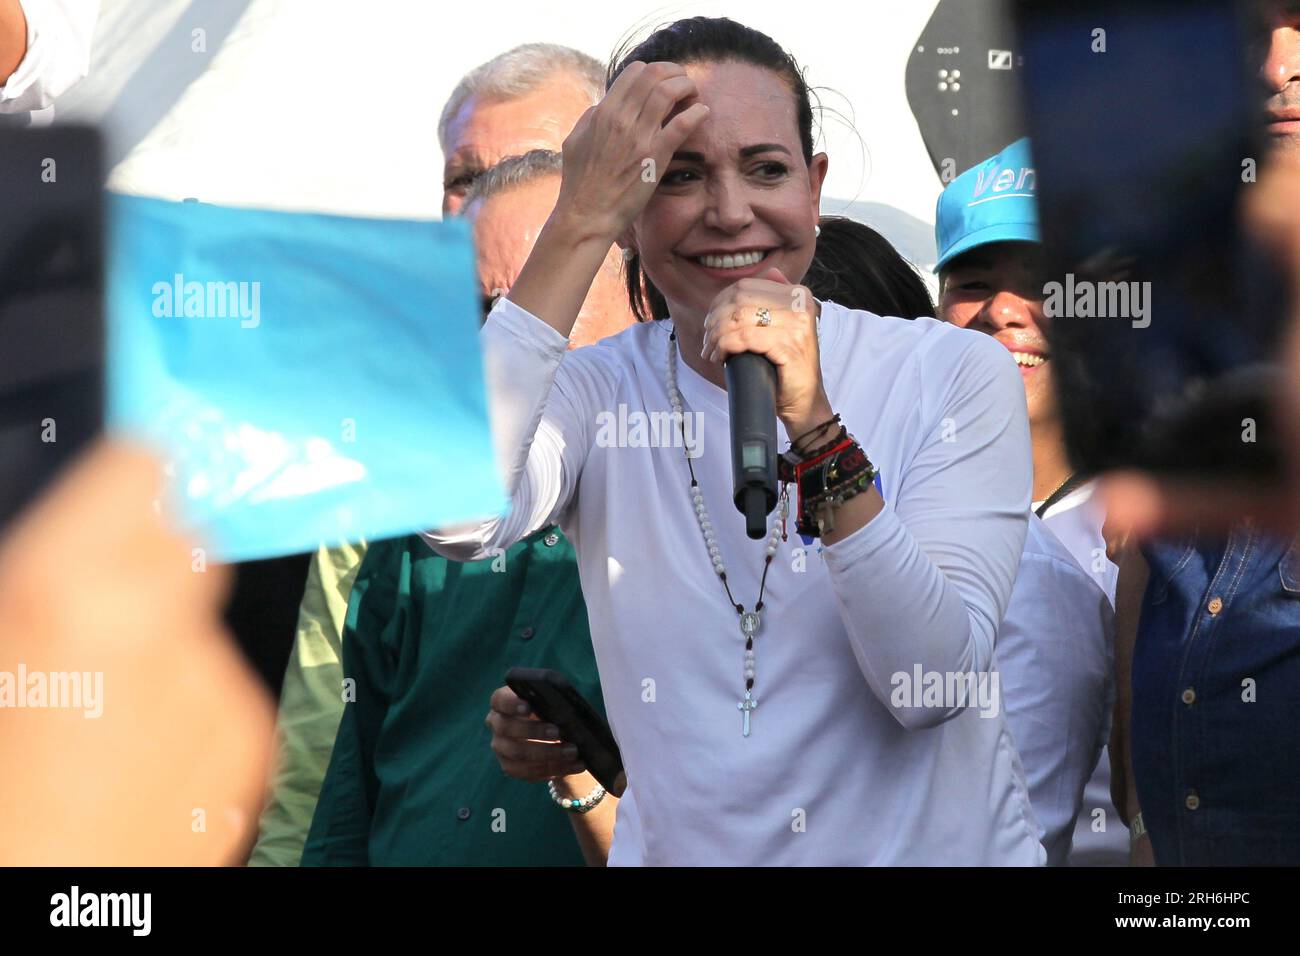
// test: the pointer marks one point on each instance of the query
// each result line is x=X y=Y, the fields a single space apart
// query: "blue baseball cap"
x=991 y=202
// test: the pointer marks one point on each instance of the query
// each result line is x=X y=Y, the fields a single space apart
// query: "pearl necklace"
x=750 y=621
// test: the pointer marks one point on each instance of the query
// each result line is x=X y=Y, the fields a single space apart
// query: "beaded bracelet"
x=840 y=436
x=826 y=482
x=577 y=806
x=820 y=510
x=787 y=464
x=794 y=445
x=816 y=475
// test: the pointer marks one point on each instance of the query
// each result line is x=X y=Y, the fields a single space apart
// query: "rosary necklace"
x=750 y=621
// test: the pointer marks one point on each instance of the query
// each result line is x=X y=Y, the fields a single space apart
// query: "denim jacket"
x=1216 y=702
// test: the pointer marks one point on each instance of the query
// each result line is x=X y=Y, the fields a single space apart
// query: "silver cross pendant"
x=746 y=705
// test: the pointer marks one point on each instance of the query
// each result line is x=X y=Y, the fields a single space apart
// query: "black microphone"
x=751 y=399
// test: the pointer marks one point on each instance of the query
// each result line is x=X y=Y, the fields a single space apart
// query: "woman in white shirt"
x=776 y=702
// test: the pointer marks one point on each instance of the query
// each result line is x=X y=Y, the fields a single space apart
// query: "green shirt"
x=413 y=779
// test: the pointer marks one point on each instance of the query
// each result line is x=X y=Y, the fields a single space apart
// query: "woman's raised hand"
x=618 y=150
x=613 y=160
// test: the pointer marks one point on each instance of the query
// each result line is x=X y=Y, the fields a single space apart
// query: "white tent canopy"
x=332 y=106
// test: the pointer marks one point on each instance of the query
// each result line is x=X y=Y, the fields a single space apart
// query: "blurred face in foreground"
x=506 y=226
x=484 y=132
x=997 y=289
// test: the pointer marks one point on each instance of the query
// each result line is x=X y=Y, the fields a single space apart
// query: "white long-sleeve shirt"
x=58 y=56
x=1054 y=654
x=847 y=763
x=1100 y=837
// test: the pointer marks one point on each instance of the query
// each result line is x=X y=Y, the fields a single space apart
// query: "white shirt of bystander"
x=59 y=33
x=1054 y=653
x=1100 y=838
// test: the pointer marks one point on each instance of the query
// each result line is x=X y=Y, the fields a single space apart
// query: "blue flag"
x=307 y=378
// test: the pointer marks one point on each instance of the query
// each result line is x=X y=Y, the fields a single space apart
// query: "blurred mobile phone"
x=554 y=699
x=1162 y=317
x=51 y=313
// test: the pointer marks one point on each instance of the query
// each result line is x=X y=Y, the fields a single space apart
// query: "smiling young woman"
x=751 y=685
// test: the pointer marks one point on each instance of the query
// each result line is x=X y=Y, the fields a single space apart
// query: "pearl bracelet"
x=577 y=806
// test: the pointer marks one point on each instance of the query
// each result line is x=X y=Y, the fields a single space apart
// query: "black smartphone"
x=554 y=699
x=51 y=319
x=1163 y=318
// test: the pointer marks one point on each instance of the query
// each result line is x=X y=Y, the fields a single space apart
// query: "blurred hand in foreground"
x=172 y=768
x=1147 y=505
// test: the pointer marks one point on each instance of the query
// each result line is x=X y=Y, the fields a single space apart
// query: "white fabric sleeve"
x=1054 y=661
x=537 y=393
x=59 y=33
x=928 y=579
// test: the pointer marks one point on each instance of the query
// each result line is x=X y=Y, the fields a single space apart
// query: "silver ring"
x=764 y=317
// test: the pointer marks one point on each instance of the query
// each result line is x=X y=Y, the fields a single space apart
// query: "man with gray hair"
x=411 y=780
x=524 y=99
x=508 y=205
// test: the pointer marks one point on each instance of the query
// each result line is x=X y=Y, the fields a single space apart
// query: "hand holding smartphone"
x=554 y=699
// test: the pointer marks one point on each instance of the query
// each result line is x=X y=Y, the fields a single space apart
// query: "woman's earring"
x=817 y=230
x=629 y=255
